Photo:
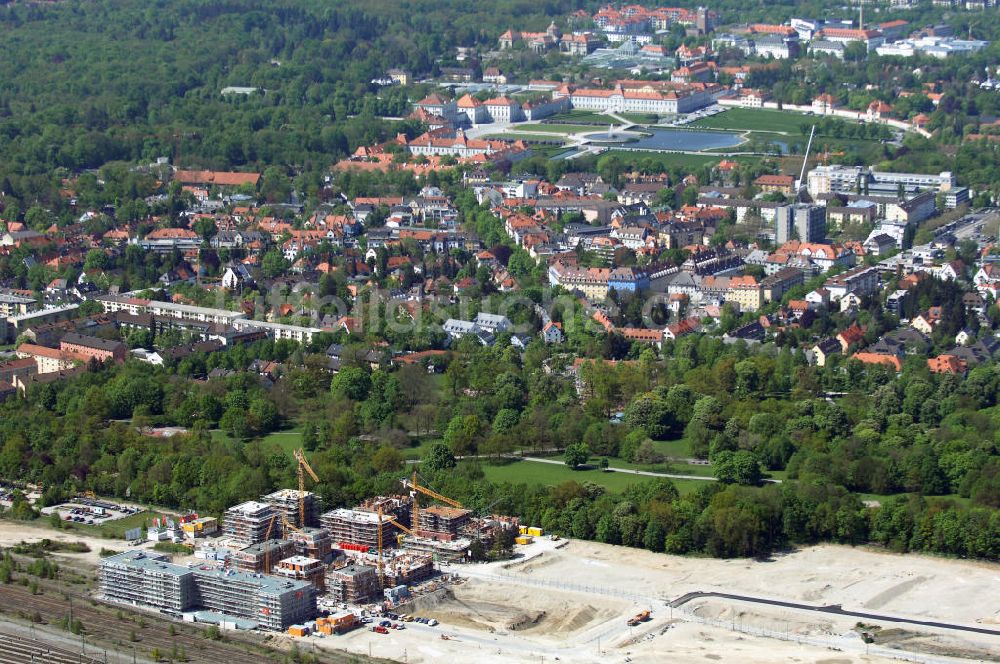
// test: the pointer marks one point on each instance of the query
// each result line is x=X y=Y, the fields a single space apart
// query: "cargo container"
x=523 y=539
x=535 y=532
x=298 y=630
x=522 y=530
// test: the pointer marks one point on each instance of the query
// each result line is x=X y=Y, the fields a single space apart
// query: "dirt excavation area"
x=860 y=579
x=482 y=605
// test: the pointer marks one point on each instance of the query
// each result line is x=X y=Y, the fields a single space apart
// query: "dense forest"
x=923 y=446
x=88 y=83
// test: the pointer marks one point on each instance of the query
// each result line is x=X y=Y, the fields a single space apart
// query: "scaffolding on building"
x=289 y=503
x=248 y=523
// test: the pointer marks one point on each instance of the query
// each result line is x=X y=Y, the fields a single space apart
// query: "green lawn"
x=548 y=151
x=641 y=118
x=526 y=136
x=668 y=159
x=527 y=472
x=673 y=448
x=580 y=116
x=554 y=128
x=420 y=449
x=752 y=119
x=288 y=439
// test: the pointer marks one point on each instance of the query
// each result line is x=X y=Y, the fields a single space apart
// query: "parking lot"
x=90 y=511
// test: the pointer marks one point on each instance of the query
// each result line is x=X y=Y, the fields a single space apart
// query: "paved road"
x=834 y=609
x=647 y=473
x=611 y=469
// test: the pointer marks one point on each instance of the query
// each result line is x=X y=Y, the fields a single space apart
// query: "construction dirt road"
x=571 y=604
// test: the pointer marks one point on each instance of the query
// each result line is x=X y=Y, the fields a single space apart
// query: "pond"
x=681 y=139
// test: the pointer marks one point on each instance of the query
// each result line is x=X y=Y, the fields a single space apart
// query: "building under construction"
x=405 y=568
x=358 y=527
x=286 y=501
x=302 y=568
x=354 y=584
x=443 y=523
x=449 y=551
x=312 y=543
x=397 y=508
x=249 y=523
x=151 y=581
x=260 y=558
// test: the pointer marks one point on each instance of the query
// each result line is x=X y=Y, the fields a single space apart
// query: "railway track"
x=101 y=626
x=19 y=650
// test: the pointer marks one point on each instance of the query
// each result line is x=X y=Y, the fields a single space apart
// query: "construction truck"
x=638 y=618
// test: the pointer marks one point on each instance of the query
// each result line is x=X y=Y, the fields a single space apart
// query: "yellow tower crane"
x=267 y=549
x=382 y=521
x=381 y=567
x=301 y=468
x=415 y=488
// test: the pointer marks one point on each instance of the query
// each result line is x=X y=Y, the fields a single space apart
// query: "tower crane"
x=415 y=488
x=381 y=566
x=267 y=549
x=805 y=161
x=302 y=467
x=288 y=524
x=399 y=538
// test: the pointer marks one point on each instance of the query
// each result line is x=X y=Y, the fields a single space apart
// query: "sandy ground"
x=12 y=533
x=548 y=614
x=558 y=606
x=682 y=642
x=564 y=604
x=857 y=578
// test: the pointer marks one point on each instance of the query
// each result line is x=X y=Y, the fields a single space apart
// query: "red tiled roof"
x=220 y=178
x=877 y=358
x=947 y=364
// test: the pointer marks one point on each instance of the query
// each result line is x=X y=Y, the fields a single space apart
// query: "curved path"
x=834 y=609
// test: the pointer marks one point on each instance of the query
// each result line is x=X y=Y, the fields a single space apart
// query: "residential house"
x=861 y=281
x=947 y=364
x=851 y=336
x=874 y=358
x=683 y=328
x=781 y=184
x=237 y=276
x=746 y=292
x=552 y=333
x=824 y=349
x=89 y=347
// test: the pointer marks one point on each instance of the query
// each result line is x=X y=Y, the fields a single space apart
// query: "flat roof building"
x=355 y=584
x=151 y=581
x=248 y=523
x=286 y=501
x=358 y=527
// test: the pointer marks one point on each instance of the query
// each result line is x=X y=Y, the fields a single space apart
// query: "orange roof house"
x=217 y=178
x=878 y=358
x=947 y=364
x=850 y=336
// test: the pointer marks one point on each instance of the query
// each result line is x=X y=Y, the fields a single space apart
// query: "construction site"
x=556 y=600
x=376 y=554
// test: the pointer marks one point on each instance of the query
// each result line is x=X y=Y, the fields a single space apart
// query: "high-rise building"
x=801 y=221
